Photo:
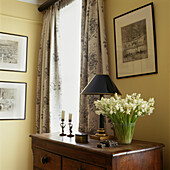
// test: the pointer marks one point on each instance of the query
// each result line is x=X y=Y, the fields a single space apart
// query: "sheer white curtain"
x=69 y=54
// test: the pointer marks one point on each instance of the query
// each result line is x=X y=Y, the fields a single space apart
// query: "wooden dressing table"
x=53 y=152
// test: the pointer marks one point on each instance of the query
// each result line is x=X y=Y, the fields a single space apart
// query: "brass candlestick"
x=62 y=124
x=70 y=129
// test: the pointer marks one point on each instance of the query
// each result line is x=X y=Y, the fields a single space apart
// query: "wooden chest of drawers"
x=52 y=152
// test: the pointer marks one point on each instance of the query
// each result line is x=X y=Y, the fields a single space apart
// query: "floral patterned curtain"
x=94 y=59
x=48 y=80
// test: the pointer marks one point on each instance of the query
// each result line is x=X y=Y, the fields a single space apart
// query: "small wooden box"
x=81 y=138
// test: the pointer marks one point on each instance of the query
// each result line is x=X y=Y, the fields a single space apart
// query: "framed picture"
x=13 y=52
x=135 y=42
x=12 y=100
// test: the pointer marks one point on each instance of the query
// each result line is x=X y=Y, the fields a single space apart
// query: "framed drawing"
x=13 y=52
x=135 y=43
x=12 y=100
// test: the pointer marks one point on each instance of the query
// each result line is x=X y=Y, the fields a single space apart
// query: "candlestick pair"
x=63 y=125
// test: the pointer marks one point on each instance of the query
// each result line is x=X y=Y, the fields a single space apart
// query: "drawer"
x=44 y=160
x=69 y=164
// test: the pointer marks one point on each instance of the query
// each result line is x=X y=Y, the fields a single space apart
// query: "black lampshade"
x=100 y=84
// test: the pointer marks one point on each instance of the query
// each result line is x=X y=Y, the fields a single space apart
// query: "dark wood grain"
x=72 y=165
x=138 y=155
x=148 y=160
x=53 y=160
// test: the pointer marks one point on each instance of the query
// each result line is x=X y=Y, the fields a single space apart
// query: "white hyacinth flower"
x=127 y=109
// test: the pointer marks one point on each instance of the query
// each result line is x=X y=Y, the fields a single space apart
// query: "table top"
x=135 y=147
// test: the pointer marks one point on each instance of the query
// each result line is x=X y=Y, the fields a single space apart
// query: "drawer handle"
x=44 y=160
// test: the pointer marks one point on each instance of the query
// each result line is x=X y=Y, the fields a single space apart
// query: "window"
x=69 y=53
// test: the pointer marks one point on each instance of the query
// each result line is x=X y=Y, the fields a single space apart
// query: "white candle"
x=63 y=115
x=70 y=117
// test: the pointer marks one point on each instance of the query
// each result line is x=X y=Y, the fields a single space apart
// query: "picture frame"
x=13 y=52
x=135 y=43
x=12 y=100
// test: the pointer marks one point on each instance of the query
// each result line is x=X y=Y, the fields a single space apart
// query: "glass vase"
x=124 y=132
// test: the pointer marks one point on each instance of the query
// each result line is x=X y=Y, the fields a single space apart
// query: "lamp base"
x=100 y=135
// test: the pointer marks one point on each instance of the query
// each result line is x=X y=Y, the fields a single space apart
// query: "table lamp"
x=101 y=84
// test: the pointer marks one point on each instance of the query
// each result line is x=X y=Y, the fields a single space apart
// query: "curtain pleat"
x=48 y=80
x=94 y=59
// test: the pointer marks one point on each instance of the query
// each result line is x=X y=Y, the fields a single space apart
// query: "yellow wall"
x=22 y=18
x=155 y=127
x=15 y=144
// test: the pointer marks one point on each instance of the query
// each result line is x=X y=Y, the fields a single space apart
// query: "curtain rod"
x=46 y=4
